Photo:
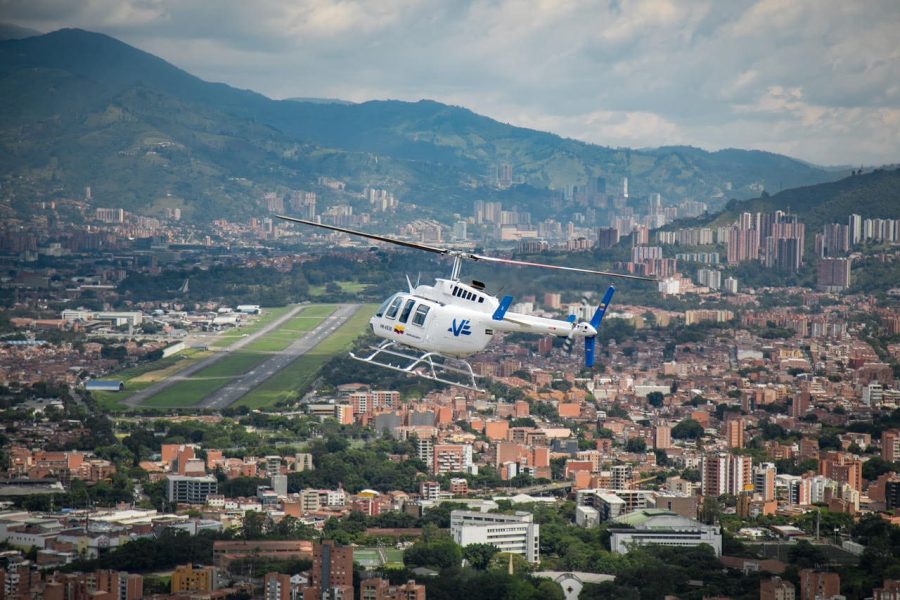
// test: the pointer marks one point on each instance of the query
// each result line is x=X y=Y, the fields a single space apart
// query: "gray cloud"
x=816 y=79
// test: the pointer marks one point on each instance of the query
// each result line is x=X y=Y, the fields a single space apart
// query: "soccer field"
x=378 y=557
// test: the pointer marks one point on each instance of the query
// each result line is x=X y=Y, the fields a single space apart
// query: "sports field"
x=391 y=558
x=206 y=381
x=303 y=371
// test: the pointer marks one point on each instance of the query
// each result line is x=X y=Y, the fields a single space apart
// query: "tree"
x=662 y=459
x=876 y=466
x=805 y=555
x=636 y=445
x=655 y=399
x=499 y=563
x=479 y=555
x=437 y=552
x=688 y=429
x=254 y=525
x=710 y=510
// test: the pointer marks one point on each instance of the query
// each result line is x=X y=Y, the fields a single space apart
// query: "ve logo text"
x=462 y=329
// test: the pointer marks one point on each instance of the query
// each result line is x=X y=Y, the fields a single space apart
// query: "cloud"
x=814 y=78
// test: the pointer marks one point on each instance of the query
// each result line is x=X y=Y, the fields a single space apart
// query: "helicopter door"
x=419 y=317
x=404 y=316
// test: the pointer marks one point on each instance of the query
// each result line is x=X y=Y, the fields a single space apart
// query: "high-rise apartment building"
x=842 y=467
x=725 y=474
x=742 y=245
x=331 y=576
x=662 y=436
x=621 y=477
x=764 y=481
x=854 y=229
x=734 y=433
x=450 y=458
x=890 y=445
x=819 y=585
x=833 y=274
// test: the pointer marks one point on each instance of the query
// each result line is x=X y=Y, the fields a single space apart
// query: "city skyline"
x=810 y=81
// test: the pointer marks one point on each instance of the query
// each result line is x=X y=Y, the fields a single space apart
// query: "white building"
x=517 y=533
x=873 y=394
x=610 y=504
x=190 y=490
x=663 y=528
x=132 y=318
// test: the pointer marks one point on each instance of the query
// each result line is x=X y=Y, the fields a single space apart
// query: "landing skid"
x=429 y=365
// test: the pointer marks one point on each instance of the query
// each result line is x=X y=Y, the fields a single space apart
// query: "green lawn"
x=144 y=375
x=283 y=336
x=303 y=371
x=219 y=374
x=348 y=287
x=232 y=335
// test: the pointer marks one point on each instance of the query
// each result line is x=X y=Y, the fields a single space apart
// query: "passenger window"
x=404 y=316
x=420 y=314
x=480 y=299
x=395 y=306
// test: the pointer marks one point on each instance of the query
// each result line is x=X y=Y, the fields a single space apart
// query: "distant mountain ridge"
x=8 y=31
x=80 y=108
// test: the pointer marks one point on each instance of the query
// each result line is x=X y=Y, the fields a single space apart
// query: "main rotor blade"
x=523 y=263
x=370 y=236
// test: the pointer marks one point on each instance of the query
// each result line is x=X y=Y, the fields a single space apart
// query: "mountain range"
x=83 y=109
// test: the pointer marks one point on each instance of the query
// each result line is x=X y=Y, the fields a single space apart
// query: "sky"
x=818 y=80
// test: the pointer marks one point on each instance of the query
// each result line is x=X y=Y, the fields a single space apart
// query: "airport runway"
x=138 y=398
x=241 y=385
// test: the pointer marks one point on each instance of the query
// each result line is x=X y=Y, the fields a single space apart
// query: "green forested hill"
x=870 y=195
x=79 y=108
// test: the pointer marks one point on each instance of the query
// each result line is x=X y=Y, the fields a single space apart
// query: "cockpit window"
x=395 y=306
x=382 y=308
x=404 y=316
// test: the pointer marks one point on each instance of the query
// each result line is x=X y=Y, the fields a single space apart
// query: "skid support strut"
x=428 y=365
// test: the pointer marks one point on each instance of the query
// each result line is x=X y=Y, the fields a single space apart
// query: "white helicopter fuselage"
x=455 y=319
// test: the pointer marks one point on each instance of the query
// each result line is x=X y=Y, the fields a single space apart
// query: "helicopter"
x=428 y=330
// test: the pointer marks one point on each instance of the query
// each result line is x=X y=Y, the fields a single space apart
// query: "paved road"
x=238 y=388
x=139 y=397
